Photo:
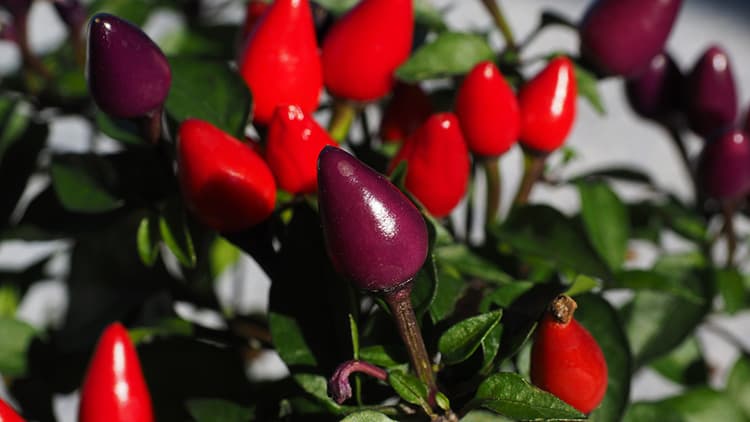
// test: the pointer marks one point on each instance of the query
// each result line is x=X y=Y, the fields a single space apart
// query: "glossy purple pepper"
x=620 y=37
x=375 y=236
x=711 y=94
x=657 y=92
x=127 y=73
x=724 y=166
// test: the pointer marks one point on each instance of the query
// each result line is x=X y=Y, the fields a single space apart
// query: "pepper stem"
x=533 y=169
x=727 y=210
x=562 y=309
x=151 y=126
x=494 y=189
x=341 y=120
x=399 y=301
x=502 y=23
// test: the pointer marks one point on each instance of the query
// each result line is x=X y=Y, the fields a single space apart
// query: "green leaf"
x=540 y=231
x=173 y=227
x=606 y=221
x=17 y=336
x=209 y=91
x=217 y=410
x=491 y=347
x=684 y=220
x=738 y=384
x=317 y=386
x=426 y=285
x=698 y=405
x=625 y=174
x=289 y=341
x=551 y=17
x=147 y=240
x=21 y=143
x=510 y=395
x=134 y=11
x=85 y=183
x=122 y=130
x=462 y=339
x=367 y=416
x=380 y=355
x=684 y=365
x=450 y=54
x=15 y=116
x=449 y=290
x=656 y=281
x=732 y=289
x=603 y=322
x=470 y=264
x=581 y=284
x=222 y=255
x=588 y=88
x=409 y=388
x=9 y=299
x=503 y=296
x=482 y=416
x=213 y=41
x=166 y=327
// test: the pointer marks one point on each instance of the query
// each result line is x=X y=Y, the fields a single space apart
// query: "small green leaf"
x=471 y=264
x=656 y=281
x=317 y=386
x=510 y=395
x=462 y=339
x=173 y=227
x=505 y=295
x=581 y=284
x=450 y=54
x=442 y=401
x=84 y=183
x=222 y=255
x=209 y=91
x=385 y=356
x=606 y=221
x=491 y=347
x=588 y=88
x=625 y=174
x=367 y=416
x=698 y=405
x=738 y=385
x=147 y=240
x=684 y=365
x=409 y=388
x=731 y=288
x=289 y=341
x=15 y=116
x=483 y=416
x=121 y=130
x=217 y=410
x=450 y=289
x=16 y=335
x=166 y=327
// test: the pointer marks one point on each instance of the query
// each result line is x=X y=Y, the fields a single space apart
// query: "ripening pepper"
x=711 y=94
x=657 y=93
x=621 y=37
x=365 y=46
x=406 y=111
x=114 y=389
x=225 y=183
x=292 y=148
x=374 y=235
x=437 y=164
x=724 y=166
x=280 y=62
x=128 y=75
x=488 y=111
x=8 y=414
x=548 y=106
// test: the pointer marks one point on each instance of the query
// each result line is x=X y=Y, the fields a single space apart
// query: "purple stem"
x=338 y=386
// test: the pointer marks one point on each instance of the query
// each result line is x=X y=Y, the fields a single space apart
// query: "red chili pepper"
x=8 y=414
x=113 y=388
x=225 y=183
x=548 y=106
x=406 y=111
x=566 y=360
x=294 y=142
x=438 y=164
x=281 y=62
x=253 y=13
x=488 y=111
x=364 y=48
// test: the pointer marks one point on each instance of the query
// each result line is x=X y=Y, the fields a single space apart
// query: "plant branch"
x=341 y=120
x=494 y=189
x=532 y=171
x=498 y=16
x=727 y=211
x=679 y=143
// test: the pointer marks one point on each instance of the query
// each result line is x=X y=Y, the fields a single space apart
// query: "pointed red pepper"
x=364 y=48
x=438 y=164
x=406 y=112
x=488 y=111
x=566 y=360
x=225 y=183
x=294 y=143
x=8 y=414
x=113 y=388
x=548 y=106
x=281 y=62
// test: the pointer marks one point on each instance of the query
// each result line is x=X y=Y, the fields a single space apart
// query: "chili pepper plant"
x=332 y=142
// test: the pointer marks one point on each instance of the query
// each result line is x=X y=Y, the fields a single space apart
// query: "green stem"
x=727 y=210
x=502 y=23
x=399 y=301
x=341 y=120
x=494 y=189
x=532 y=171
x=679 y=143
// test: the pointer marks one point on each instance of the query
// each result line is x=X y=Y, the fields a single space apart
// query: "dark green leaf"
x=20 y=145
x=483 y=416
x=426 y=285
x=543 y=232
x=317 y=386
x=683 y=220
x=503 y=296
x=15 y=116
x=551 y=17
x=450 y=54
x=732 y=289
x=449 y=291
x=468 y=263
x=698 y=405
x=215 y=42
x=409 y=388
x=381 y=355
x=148 y=240
x=209 y=91
x=684 y=365
x=166 y=327
x=367 y=416
x=606 y=221
x=625 y=174
x=17 y=336
x=581 y=284
x=289 y=341
x=588 y=87
x=84 y=183
x=173 y=227
x=217 y=410
x=462 y=339
x=491 y=347
x=738 y=385
x=510 y=395
x=122 y=130
x=656 y=281
x=602 y=321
